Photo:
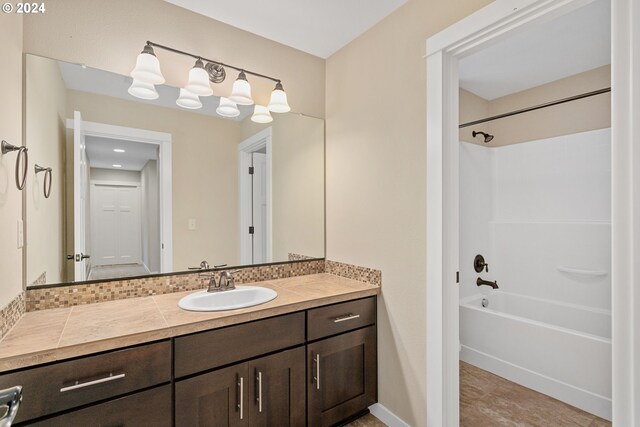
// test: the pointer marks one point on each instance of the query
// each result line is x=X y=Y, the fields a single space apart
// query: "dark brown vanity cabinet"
x=268 y=391
x=342 y=369
x=315 y=367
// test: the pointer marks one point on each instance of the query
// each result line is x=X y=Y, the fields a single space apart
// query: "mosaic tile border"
x=355 y=272
x=11 y=313
x=67 y=296
x=298 y=257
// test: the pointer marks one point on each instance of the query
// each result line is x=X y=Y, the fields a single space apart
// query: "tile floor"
x=366 y=421
x=117 y=271
x=487 y=400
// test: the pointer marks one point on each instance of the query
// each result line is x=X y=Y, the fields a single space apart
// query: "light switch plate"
x=192 y=224
x=20 y=234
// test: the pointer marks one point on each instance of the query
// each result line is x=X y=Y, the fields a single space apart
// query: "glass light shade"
x=143 y=90
x=147 y=69
x=227 y=108
x=261 y=114
x=278 y=102
x=241 y=91
x=188 y=100
x=199 y=81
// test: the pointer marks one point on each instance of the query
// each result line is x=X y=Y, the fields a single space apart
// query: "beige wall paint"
x=109 y=35
x=298 y=183
x=376 y=182
x=45 y=136
x=11 y=131
x=205 y=178
x=577 y=116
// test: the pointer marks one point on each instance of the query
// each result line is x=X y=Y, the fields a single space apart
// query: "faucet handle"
x=479 y=264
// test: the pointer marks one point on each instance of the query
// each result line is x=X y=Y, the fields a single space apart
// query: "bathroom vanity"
x=314 y=366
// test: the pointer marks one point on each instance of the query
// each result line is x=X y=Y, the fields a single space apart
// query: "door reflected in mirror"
x=146 y=187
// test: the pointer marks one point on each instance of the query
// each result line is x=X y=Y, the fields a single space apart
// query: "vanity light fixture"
x=241 y=92
x=147 y=73
x=188 y=100
x=143 y=90
x=147 y=68
x=227 y=108
x=261 y=114
x=199 y=80
x=278 y=102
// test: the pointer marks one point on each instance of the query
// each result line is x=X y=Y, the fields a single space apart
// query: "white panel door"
x=259 y=196
x=116 y=225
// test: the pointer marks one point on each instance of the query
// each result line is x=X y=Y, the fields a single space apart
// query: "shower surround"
x=539 y=212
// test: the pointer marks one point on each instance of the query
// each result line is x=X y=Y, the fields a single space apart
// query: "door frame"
x=262 y=139
x=163 y=141
x=501 y=19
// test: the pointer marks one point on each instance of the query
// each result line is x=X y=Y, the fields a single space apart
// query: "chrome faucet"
x=481 y=282
x=226 y=283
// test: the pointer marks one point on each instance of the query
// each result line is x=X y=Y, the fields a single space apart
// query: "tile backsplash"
x=66 y=296
x=72 y=295
x=10 y=314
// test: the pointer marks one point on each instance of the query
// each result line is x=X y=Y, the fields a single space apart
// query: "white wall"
x=550 y=203
x=476 y=211
x=115 y=175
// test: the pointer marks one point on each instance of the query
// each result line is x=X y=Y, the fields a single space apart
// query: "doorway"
x=498 y=21
x=254 y=157
x=122 y=175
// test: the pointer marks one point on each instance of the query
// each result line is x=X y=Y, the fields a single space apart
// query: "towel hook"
x=47 y=176
x=22 y=152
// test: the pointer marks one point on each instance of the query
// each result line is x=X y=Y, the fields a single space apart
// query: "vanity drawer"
x=207 y=350
x=147 y=408
x=65 y=385
x=337 y=318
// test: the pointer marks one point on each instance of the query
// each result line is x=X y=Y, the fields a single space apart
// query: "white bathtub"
x=558 y=349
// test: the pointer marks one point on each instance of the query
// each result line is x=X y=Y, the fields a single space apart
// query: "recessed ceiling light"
x=118 y=150
x=117 y=166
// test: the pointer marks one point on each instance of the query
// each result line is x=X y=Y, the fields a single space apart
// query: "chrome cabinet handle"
x=259 y=378
x=76 y=386
x=349 y=316
x=317 y=377
x=10 y=400
x=241 y=403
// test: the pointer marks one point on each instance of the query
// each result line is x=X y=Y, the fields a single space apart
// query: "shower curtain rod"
x=537 y=107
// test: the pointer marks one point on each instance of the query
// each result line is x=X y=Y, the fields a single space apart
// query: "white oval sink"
x=240 y=297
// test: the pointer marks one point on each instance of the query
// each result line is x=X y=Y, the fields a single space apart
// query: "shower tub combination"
x=561 y=350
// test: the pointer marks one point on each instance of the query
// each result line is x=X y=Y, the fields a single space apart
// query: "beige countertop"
x=61 y=333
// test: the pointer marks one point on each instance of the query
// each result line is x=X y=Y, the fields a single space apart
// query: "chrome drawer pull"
x=241 y=404
x=76 y=386
x=317 y=378
x=345 y=317
x=260 y=391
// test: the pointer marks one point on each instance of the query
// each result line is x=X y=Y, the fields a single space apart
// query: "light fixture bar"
x=181 y=52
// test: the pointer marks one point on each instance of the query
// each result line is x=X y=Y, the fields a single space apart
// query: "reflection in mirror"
x=144 y=187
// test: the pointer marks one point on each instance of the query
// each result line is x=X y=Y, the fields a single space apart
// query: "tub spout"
x=481 y=282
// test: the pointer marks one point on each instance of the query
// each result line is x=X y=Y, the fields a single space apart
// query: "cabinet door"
x=342 y=376
x=215 y=399
x=277 y=389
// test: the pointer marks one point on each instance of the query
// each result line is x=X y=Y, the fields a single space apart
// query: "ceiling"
x=571 y=44
x=320 y=28
x=102 y=82
x=136 y=155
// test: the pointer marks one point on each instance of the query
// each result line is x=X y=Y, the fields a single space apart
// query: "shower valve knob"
x=479 y=264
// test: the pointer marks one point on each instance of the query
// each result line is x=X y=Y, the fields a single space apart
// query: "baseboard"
x=386 y=416
x=574 y=396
